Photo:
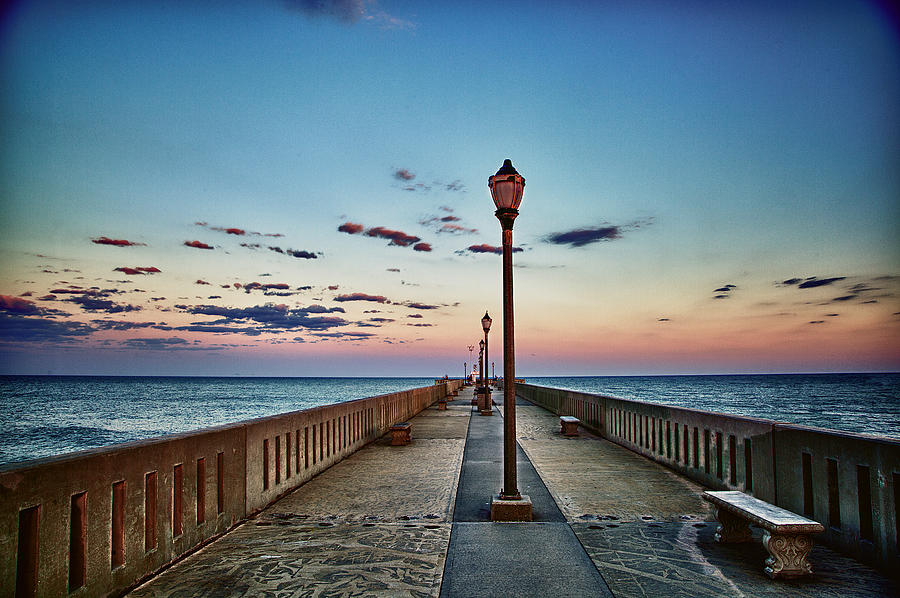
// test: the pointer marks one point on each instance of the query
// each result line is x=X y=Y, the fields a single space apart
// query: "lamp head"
x=486 y=322
x=507 y=187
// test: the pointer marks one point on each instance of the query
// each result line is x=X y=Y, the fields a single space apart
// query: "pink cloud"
x=114 y=242
x=197 y=245
x=17 y=305
x=351 y=228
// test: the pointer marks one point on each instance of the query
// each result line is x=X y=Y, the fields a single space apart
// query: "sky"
x=299 y=187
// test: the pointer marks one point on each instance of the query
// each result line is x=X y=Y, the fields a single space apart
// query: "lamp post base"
x=511 y=510
x=485 y=404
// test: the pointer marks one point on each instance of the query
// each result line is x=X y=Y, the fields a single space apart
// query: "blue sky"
x=685 y=149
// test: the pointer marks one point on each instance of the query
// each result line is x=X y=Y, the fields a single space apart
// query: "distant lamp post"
x=486 y=407
x=480 y=364
x=471 y=348
x=507 y=188
x=493 y=373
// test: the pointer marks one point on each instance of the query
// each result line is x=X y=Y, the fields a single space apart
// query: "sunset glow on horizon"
x=295 y=188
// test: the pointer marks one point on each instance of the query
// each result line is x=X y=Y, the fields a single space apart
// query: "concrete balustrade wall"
x=848 y=482
x=95 y=522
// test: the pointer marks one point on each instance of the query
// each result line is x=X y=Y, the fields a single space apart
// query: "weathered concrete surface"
x=647 y=558
x=376 y=524
x=591 y=477
x=273 y=556
x=391 y=483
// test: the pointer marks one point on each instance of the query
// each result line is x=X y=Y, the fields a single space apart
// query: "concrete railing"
x=848 y=482
x=96 y=522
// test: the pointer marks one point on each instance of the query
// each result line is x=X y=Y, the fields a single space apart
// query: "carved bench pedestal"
x=788 y=554
x=569 y=425
x=732 y=528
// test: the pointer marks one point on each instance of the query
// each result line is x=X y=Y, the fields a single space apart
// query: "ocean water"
x=49 y=415
x=862 y=403
x=42 y=416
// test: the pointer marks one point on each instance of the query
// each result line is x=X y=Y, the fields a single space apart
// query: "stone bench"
x=786 y=536
x=442 y=404
x=401 y=434
x=569 y=425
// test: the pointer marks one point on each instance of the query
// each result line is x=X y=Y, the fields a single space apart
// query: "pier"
x=336 y=509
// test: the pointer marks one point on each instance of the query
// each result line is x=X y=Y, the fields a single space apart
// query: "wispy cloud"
x=351 y=228
x=811 y=282
x=298 y=253
x=138 y=270
x=819 y=282
x=580 y=237
x=173 y=343
x=277 y=289
x=346 y=11
x=396 y=237
x=485 y=248
x=235 y=230
x=362 y=297
x=447 y=224
x=415 y=305
x=269 y=317
x=92 y=304
x=349 y=12
x=197 y=245
x=724 y=292
x=403 y=174
x=867 y=290
x=122 y=325
x=115 y=242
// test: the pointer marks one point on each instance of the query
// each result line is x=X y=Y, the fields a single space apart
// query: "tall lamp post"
x=507 y=188
x=486 y=407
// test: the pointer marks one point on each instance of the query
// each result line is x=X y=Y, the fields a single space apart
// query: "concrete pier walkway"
x=542 y=558
x=413 y=521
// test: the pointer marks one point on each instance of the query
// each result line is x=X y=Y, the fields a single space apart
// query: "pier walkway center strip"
x=400 y=520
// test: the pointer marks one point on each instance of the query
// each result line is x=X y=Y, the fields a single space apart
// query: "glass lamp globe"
x=486 y=322
x=507 y=187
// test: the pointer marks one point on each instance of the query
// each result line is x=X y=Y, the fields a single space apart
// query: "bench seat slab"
x=758 y=512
